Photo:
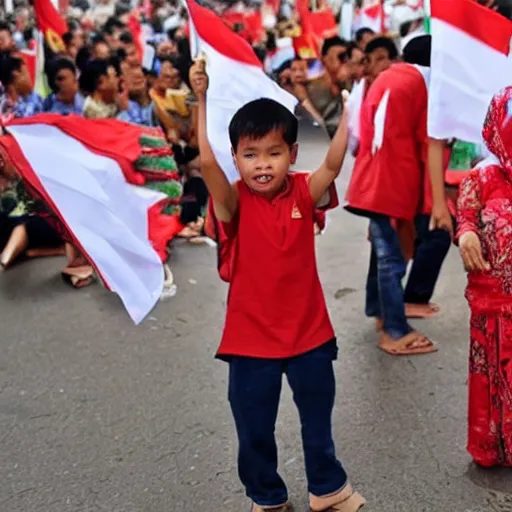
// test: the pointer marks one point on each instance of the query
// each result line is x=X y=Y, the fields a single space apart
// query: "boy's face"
x=67 y=84
x=378 y=61
x=299 y=72
x=22 y=81
x=264 y=163
x=109 y=85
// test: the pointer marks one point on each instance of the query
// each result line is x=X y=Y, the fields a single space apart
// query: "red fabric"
x=391 y=181
x=484 y=208
x=135 y=28
x=211 y=29
x=276 y=307
x=108 y=137
x=476 y=20
x=162 y=228
x=48 y=18
x=29 y=58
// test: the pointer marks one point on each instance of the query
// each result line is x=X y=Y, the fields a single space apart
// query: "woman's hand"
x=470 y=249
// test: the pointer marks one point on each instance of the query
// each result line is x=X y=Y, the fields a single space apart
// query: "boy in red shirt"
x=277 y=321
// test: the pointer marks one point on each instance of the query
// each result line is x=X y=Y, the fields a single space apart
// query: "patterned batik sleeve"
x=469 y=205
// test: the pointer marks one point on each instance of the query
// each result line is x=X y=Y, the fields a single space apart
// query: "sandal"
x=345 y=500
x=78 y=277
x=411 y=344
x=287 y=507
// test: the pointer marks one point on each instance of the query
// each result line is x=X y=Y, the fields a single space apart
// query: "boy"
x=277 y=320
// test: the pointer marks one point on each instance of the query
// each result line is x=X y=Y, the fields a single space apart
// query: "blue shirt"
x=55 y=106
x=26 y=106
x=137 y=114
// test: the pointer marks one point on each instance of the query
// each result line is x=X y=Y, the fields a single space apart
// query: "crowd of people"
x=370 y=96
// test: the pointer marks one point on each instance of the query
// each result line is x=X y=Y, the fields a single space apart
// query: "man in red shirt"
x=277 y=320
x=387 y=187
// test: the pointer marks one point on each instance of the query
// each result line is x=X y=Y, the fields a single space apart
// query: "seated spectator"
x=22 y=230
x=19 y=99
x=6 y=40
x=133 y=59
x=66 y=99
x=100 y=82
x=140 y=109
x=100 y=48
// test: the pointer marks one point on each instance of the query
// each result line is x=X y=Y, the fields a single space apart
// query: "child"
x=277 y=320
x=484 y=234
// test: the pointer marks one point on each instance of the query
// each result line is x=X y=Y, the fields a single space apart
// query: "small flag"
x=236 y=77
x=470 y=62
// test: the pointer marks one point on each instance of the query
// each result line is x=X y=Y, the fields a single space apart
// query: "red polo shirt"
x=276 y=307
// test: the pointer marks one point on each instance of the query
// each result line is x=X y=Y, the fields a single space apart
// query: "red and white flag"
x=470 y=62
x=89 y=185
x=372 y=15
x=236 y=77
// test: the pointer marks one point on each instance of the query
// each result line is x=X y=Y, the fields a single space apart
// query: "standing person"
x=484 y=235
x=386 y=186
x=66 y=99
x=272 y=327
x=363 y=37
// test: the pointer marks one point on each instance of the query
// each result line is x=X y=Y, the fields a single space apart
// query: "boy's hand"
x=471 y=251
x=199 y=78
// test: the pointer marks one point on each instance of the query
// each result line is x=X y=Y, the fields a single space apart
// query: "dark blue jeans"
x=254 y=393
x=431 y=248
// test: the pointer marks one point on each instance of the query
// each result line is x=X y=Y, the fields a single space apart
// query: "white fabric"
x=379 y=122
x=232 y=84
x=465 y=74
x=354 y=104
x=107 y=215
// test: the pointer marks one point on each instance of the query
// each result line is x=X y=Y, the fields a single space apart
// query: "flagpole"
x=426 y=8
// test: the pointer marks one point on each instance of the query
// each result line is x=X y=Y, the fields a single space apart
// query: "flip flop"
x=411 y=344
x=347 y=500
x=78 y=277
x=422 y=310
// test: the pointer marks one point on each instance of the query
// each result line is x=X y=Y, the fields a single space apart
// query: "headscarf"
x=497 y=131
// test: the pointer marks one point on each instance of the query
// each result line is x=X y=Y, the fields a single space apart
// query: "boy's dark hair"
x=126 y=38
x=92 y=73
x=330 y=42
x=112 y=24
x=98 y=39
x=361 y=33
x=5 y=27
x=8 y=66
x=417 y=51
x=260 y=117
x=53 y=69
x=382 y=42
x=82 y=57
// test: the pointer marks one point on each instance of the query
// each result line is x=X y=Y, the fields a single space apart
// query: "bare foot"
x=411 y=344
x=421 y=310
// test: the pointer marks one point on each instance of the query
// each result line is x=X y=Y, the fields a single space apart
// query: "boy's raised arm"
x=321 y=179
x=223 y=194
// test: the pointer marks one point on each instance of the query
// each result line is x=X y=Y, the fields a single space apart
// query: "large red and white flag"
x=236 y=77
x=89 y=184
x=470 y=62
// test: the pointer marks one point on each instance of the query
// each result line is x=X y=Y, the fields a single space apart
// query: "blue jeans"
x=431 y=248
x=384 y=292
x=254 y=393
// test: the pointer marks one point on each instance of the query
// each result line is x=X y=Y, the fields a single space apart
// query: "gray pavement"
x=98 y=415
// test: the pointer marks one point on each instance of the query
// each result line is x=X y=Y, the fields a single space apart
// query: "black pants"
x=39 y=232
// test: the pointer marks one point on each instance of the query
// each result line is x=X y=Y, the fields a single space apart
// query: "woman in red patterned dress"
x=485 y=241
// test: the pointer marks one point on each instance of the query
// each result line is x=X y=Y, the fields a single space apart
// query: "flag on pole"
x=470 y=62
x=116 y=224
x=51 y=24
x=236 y=77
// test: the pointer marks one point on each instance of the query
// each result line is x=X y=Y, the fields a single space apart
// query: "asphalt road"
x=98 y=415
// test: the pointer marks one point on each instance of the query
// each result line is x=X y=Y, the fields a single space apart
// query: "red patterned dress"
x=485 y=207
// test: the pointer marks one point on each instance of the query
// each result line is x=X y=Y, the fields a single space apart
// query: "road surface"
x=98 y=415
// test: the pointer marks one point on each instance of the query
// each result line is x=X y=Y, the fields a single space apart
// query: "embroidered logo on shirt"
x=296 y=212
